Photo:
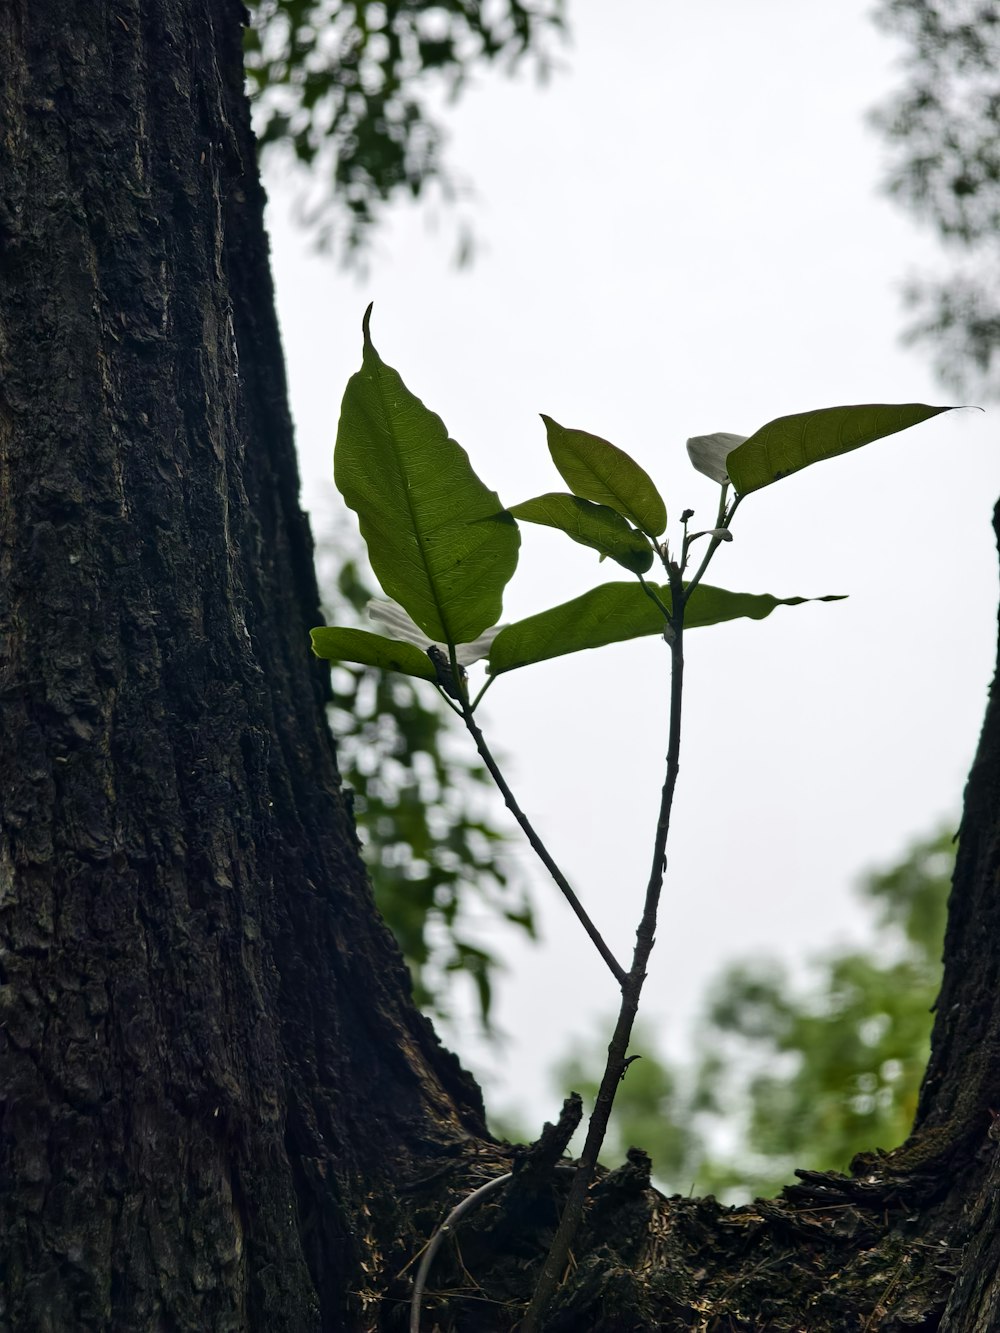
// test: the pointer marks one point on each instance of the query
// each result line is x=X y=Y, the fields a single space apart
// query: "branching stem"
x=724 y=519
x=631 y=982
x=558 y=1255
x=651 y=593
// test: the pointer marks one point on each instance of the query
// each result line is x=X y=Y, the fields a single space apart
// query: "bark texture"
x=219 y=1109
x=963 y=1078
x=212 y=1080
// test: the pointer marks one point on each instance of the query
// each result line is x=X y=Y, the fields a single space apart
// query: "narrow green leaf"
x=440 y=542
x=712 y=606
x=598 y=471
x=615 y=612
x=356 y=645
x=788 y=444
x=593 y=525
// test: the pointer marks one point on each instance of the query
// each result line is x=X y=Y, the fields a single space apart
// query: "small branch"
x=454 y=707
x=651 y=594
x=686 y=543
x=470 y=1202
x=723 y=521
x=478 y=699
x=617 y=971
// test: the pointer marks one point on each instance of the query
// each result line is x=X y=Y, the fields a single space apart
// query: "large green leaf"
x=593 y=525
x=335 y=644
x=598 y=471
x=615 y=612
x=788 y=444
x=440 y=542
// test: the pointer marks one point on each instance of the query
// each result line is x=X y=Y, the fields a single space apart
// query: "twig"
x=468 y=1204
x=723 y=521
x=470 y=1201
x=617 y=971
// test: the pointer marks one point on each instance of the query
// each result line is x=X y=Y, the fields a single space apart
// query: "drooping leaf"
x=594 y=525
x=598 y=471
x=336 y=644
x=615 y=612
x=440 y=542
x=791 y=443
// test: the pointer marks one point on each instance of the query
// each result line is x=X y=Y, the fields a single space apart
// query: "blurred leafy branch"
x=942 y=132
x=810 y=1073
x=348 y=88
x=440 y=867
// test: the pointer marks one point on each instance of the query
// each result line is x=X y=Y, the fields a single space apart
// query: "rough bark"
x=963 y=1078
x=211 y=1073
x=219 y=1108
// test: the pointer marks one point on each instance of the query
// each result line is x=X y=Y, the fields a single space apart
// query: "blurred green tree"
x=441 y=869
x=653 y=1109
x=801 y=1074
x=348 y=88
x=942 y=131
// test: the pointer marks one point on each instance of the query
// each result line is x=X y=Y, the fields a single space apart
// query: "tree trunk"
x=962 y=1081
x=213 y=1081
x=220 y=1109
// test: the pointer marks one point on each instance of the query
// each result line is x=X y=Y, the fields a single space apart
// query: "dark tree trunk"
x=219 y=1109
x=962 y=1081
x=212 y=1077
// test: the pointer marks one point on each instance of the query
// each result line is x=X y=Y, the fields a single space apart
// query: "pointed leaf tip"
x=366 y=322
x=788 y=444
x=440 y=542
x=598 y=471
x=615 y=612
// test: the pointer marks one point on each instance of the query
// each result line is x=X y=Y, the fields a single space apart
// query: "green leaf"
x=598 y=471
x=440 y=542
x=357 y=645
x=788 y=444
x=593 y=525
x=615 y=612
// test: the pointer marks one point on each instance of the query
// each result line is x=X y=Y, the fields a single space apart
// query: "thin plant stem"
x=469 y=1204
x=479 y=697
x=617 y=971
x=650 y=592
x=723 y=521
x=631 y=982
x=616 y=1067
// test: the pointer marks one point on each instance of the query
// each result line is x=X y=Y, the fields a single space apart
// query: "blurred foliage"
x=652 y=1109
x=348 y=85
x=802 y=1075
x=440 y=868
x=943 y=131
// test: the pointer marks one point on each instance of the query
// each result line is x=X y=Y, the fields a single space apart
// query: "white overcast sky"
x=682 y=233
